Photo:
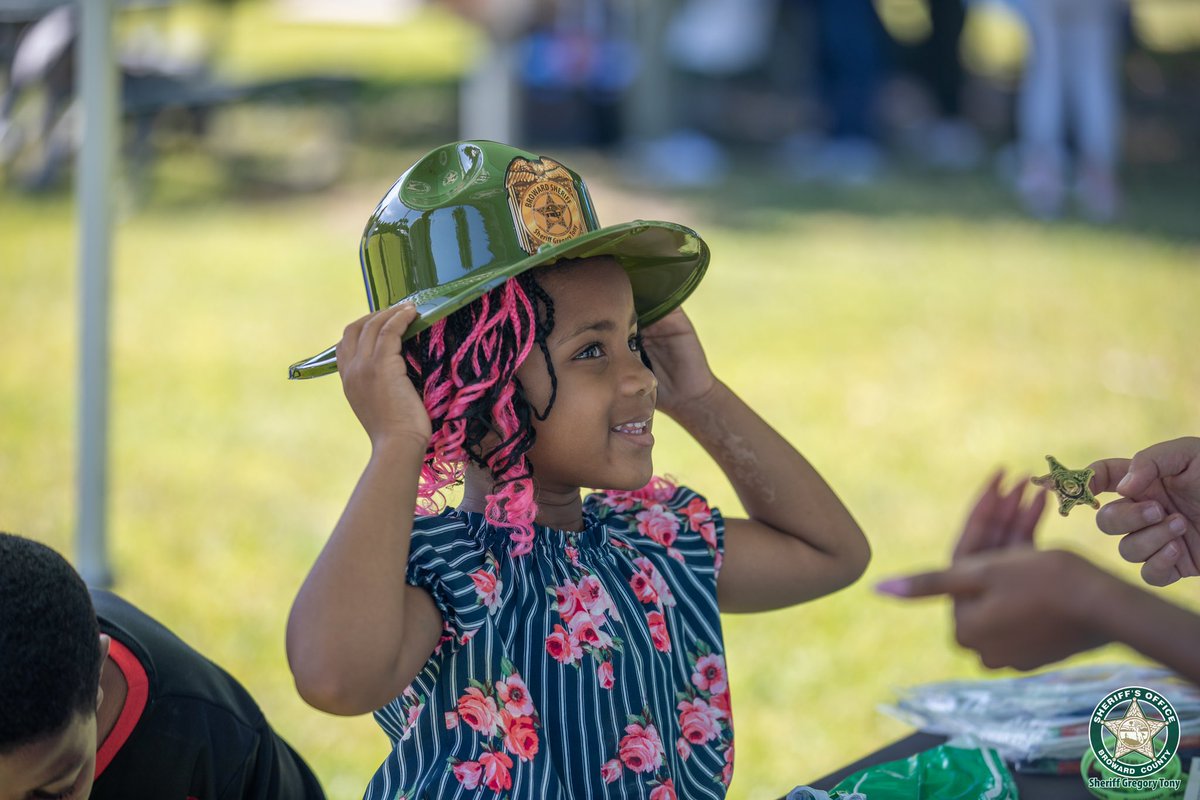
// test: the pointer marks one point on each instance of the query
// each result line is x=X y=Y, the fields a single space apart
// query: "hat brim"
x=664 y=261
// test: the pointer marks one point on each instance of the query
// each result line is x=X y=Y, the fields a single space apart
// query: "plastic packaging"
x=1039 y=721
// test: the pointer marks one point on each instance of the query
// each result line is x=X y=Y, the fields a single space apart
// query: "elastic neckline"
x=593 y=536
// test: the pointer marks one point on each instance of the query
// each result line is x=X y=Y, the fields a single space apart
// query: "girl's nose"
x=638 y=378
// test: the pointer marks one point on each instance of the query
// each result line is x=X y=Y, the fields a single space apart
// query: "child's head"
x=483 y=238
x=541 y=378
x=50 y=658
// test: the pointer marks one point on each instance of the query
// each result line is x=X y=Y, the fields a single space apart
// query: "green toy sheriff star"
x=1071 y=485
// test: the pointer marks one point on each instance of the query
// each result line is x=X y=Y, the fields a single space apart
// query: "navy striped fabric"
x=591 y=667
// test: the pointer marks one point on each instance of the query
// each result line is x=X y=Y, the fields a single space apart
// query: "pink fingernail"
x=896 y=587
x=1177 y=525
x=1152 y=514
x=1124 y=482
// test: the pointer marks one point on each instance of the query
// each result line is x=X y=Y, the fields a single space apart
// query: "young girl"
x=530 y=642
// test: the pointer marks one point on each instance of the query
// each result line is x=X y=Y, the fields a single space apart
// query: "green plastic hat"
x=470 y=215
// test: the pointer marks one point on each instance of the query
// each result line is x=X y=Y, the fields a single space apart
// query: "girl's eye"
x=593 y=350
x=635 y=343
x=59 y=796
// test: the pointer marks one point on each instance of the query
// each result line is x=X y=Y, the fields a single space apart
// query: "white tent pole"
x=97 y=86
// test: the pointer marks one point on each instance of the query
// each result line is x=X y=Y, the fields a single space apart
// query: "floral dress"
x=592 y=666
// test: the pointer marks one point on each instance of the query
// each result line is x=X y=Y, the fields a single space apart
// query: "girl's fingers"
x=391 y=334
x=1141 y=546
x=974 y=537
x=1126 y=516
x=1027 y=520
x=348 y=346
x=368 y=340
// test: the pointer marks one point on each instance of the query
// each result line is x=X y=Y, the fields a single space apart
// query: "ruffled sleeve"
x=452 y=563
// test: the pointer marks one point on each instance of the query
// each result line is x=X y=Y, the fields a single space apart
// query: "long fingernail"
x=1152 y=514
x=1124 y=482
x=1177 y=525
x=897 y=587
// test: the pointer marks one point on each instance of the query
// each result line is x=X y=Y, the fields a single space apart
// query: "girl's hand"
x=1000 y=520
x=678 y=361
x=375 y=377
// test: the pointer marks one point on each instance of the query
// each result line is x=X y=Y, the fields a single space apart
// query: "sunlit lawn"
x=908 y=339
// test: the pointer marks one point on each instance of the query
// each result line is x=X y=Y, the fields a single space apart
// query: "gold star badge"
x=1071 y=485
x=1135 y=733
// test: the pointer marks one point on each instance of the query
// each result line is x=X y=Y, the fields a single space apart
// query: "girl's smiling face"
x=598 y=434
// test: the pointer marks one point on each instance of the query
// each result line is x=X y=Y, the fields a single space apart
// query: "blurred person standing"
x=1071 y=82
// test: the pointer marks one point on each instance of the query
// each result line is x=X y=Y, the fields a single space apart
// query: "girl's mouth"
x=636 y=432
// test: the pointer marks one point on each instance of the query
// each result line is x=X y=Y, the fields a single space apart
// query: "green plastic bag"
x=940 y=773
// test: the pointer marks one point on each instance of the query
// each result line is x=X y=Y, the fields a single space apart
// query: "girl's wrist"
x=699 y=407
x=400 y=444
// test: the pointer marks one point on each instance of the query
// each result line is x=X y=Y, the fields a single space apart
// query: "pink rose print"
x=479 y=711
x=595 y=599
x=658 y=631
x=520 y=738
x=468 y=773
x=572 y=554
x=562 y=647
x=451 y=720
x=605 y=673
x=496 y=768
x=677 y=554
x=727 y=773
x=709 y=674
x=658 y=490
x=708 y=532
x=611 y=771
x=664 y=791
x=665 y=597
x=700 y=722
x=718 y=560
x=658 y=524
x=641 y=750
x=567 y=601
x=585 y=631
x=721 y=703
x=488 y=587
x=618 y=501
x=643 y=589
x=683 y=748
x=515 y=696
x=697 y=514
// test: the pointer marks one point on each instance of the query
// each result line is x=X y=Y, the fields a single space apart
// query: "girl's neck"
x=558 y=509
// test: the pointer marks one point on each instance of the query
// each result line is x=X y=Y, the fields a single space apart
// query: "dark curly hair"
x=49 y=643
x=465 y=369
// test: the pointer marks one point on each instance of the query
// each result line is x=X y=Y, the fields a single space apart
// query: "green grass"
x=908 y=339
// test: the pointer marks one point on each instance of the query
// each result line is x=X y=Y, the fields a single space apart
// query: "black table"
x=1031 y=787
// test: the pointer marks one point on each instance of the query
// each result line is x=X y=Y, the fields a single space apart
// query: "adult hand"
x=1018 y=607
x=375 y=377
x=1158 y=515
x=1013 y=604
x=678 y=361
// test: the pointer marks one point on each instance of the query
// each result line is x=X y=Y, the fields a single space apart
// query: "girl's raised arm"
x=358 y=634
x=800 y=541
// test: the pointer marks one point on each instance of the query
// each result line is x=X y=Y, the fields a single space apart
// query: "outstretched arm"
x=799 y=542
x=358 y=634
x=1021 y=607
